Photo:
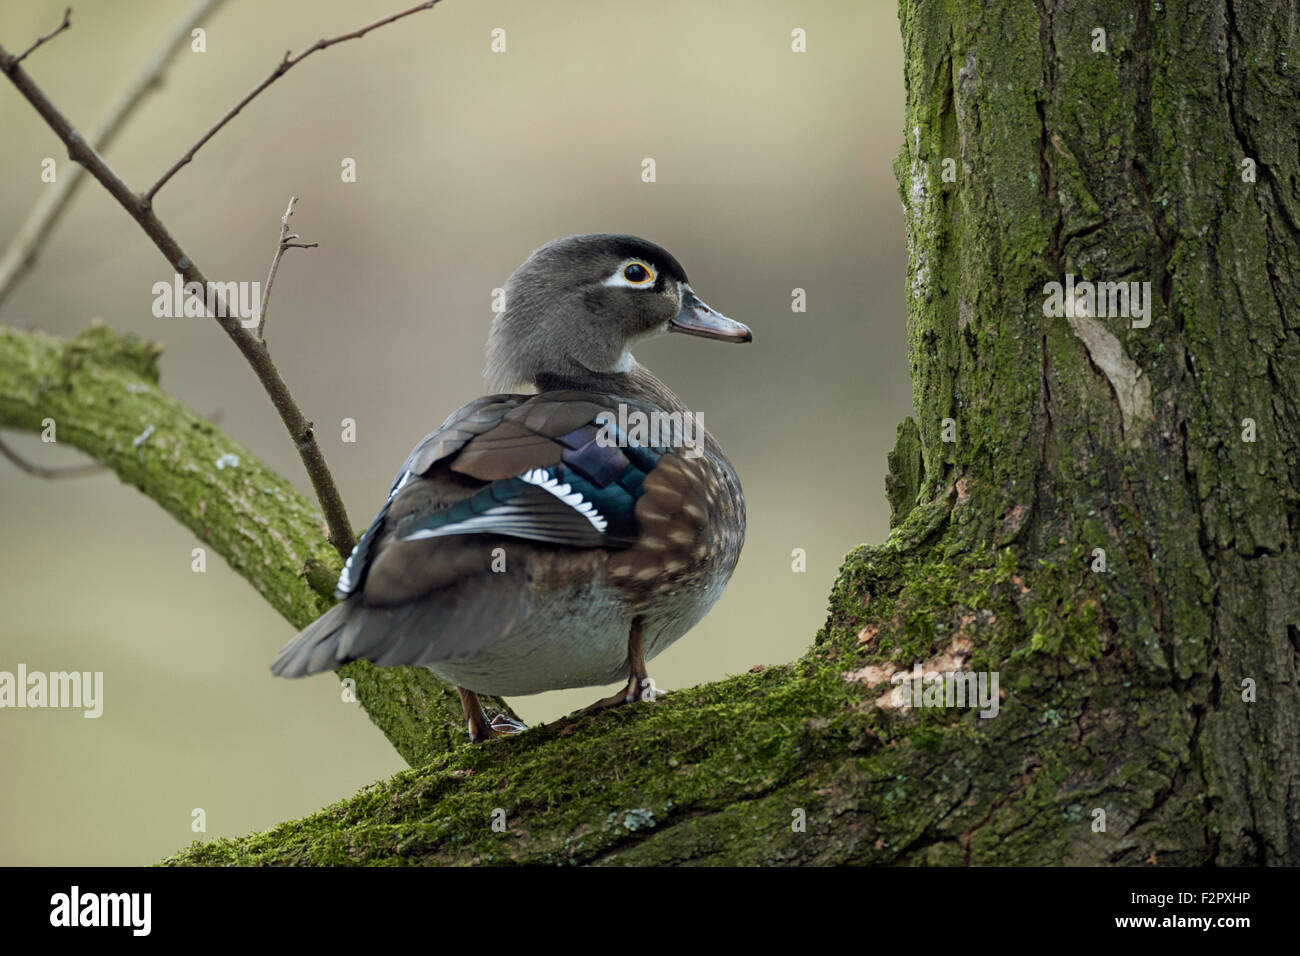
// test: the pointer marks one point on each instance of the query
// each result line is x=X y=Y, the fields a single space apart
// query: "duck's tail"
x=316 y=647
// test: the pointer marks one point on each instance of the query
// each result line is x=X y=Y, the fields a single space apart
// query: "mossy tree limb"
x=101 y=392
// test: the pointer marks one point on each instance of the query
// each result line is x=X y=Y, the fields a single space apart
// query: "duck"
x=564 y=530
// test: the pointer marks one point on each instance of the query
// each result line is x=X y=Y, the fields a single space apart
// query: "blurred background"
x=773 y=173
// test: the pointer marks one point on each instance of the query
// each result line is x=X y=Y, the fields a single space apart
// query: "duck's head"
x=574 y=308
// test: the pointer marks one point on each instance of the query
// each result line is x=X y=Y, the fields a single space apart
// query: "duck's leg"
x=637 y=673
x=480 y=728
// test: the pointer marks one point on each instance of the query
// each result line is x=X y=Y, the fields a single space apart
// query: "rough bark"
x=1123 y=689
x=1083 y=433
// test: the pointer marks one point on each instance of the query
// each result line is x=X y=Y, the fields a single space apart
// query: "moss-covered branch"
x=808 y=763
x=100 y=392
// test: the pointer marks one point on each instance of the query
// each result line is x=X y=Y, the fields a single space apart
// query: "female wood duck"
x=558 y=539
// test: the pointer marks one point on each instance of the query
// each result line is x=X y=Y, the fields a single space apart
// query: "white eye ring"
x=620 y=279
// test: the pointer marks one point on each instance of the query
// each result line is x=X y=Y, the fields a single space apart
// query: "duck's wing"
x=440 y=571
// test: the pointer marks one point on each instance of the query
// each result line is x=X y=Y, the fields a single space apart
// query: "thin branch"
x=285 y=243
x=67 y=22
x=285 y=65
x=26 y=244
x=140 y=209
x=51 y=474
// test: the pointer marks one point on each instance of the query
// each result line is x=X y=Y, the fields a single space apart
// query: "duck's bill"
x=696 y=318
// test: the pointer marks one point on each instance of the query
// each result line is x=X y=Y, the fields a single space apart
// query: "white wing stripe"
x=566 y=494
x=488 y=520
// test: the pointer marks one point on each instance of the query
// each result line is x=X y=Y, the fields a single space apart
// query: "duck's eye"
x=637 y=274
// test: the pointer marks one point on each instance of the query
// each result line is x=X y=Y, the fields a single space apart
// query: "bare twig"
x=285 y=243
x=50 y=474
x=141 y=210
x=31 y=236
x=286 y=64
x=67 y=22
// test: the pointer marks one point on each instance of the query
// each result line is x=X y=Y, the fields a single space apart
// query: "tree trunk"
x=1162 y=690
x=1112 y=529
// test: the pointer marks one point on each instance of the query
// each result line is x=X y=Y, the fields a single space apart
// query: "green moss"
x=717 y=745
x=903 y=479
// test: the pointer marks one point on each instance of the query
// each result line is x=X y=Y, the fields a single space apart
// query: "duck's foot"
x=624 y=696
x=639 y=686
x=504 y=726
x=480 y=728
